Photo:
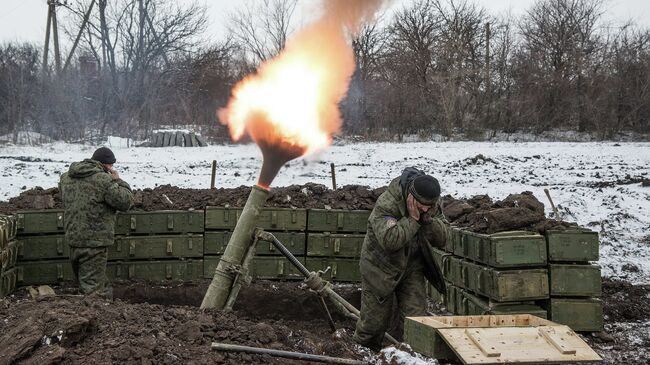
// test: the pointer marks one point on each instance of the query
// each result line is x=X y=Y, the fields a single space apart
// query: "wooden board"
x=545 y=344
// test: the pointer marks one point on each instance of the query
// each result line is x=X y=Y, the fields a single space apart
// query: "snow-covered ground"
x=575 y=173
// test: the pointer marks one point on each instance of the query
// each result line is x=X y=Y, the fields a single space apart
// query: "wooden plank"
x=550 y=335
x=516 y=345
x=485 y=346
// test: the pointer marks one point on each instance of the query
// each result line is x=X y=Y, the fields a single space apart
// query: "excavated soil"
x=149 y=324
x=479 y=213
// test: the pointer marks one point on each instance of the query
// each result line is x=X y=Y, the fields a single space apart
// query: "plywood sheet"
x=534 y=344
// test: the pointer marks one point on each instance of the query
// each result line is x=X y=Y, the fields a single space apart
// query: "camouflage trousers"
x=409 y=299
x=89 y=268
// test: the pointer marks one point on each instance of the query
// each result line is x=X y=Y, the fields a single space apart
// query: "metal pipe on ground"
x=233 y=256
x=285 y=354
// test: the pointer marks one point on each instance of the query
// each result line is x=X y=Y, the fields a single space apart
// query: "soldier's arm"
x=118 y=195
x=393 y=233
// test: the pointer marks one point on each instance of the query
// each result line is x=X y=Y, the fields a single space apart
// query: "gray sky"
x=24 y=20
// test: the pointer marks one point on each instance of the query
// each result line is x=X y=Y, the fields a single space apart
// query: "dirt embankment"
x=479 y=213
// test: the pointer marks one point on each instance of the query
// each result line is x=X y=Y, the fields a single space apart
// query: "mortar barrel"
x=242 y=236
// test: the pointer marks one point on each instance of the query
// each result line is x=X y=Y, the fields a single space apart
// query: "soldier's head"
x=105 y=156
x=426 y=191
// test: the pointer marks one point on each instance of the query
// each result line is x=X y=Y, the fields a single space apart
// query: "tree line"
x=430 y=67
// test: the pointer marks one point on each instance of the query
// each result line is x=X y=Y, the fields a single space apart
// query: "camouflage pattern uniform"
x=91 y=197
x=392 y=265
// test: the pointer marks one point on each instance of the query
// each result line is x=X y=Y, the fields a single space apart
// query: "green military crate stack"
x=157 y=246
x=503 y=273
x=8 y=254
x=575 y=283
x=334 y=241
x=162 y=245
x=42 y=252
x=288 y=225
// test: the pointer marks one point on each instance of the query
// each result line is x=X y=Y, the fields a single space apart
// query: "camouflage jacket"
x=393 y=242
x=91 y=197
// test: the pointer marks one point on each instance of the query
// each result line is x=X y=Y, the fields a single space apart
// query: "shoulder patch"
x=390 y=221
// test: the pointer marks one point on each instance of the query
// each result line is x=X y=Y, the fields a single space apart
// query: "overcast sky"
x=24 y=20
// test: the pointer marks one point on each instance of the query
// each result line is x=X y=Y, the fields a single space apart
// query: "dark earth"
x=162 y=324
x=479 y=213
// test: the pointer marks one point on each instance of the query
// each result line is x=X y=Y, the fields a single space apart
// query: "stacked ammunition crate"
x=157 y=246
x=165 y=245
x=43 y=254
x=334 y=241
x=287 y=224
x=8 y=254
x=575 y=283
x=501 y=273
x=523 y=272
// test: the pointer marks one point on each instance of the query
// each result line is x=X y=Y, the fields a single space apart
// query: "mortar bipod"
x=242 y=275
x=315 y=282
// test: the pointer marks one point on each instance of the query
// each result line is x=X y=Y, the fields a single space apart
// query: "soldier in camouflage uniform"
x=395 y=256
x=92 y=192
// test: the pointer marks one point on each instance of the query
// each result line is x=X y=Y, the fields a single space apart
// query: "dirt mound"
x=479 y=213
x=75 y=329
x=624 y=302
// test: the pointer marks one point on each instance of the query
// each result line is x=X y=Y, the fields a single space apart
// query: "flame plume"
x=289 y=107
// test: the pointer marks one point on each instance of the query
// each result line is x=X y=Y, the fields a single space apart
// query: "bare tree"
x=262 y=27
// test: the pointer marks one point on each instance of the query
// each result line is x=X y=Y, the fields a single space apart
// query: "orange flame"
x=292 y=100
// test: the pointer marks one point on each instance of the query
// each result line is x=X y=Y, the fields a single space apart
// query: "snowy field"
x=596 y=184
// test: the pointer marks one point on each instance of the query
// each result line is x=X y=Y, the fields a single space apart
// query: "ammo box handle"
x=131 y=272
x=481 y=277
x=20 y=221
x=133 y=223
x=334 y=269
x=170 y=222
x=294 y=216
x=274 y=218
x=339 y=221
x=20 y=274
x=168 y=271
x=190 y=243
x=59 y=246
x=337 y=245
x=59 y=272
x=59 y=220
x=170 y=246
x=280 y=268
x=464 y=275
x=131 y=248
x=20 y=247
x=271 y=247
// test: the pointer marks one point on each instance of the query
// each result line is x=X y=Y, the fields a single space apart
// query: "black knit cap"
x=104 y=155
x=425 y=189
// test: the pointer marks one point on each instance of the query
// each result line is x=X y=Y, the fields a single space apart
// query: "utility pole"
x=487 y=57
x=53 y=27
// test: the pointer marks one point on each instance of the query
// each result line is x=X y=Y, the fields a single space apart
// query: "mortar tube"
x=222 y=282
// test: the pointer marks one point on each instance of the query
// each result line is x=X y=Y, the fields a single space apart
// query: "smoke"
x=290 y=106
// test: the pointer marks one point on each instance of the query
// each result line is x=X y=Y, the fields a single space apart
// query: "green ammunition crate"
x=503 y=250
x=453 y=269
x=7 y=282
x=156 y=247
x=39 y=221
x=579 y=314
x=479 y=306
x=499 y=285
x=9 y=256
x=42 y=247
x=272 y=219
x=460 y=303
x=216 y=242
x=335 y=245
x=338 y=220
x=575 y=280
x=159 y=222
x=264 y=267
x=572 y=245
x=8 y=229
x=423 y=338
x=341 y=269
x=441 y=258
x=454 y=237
x=44 y=272
x=435 y=295
x=156 y=270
